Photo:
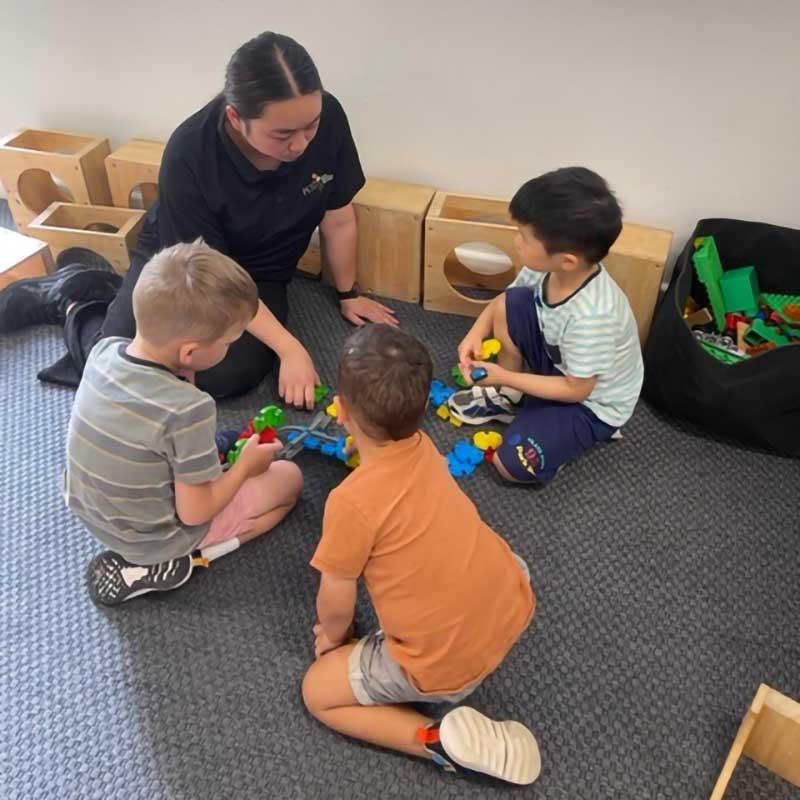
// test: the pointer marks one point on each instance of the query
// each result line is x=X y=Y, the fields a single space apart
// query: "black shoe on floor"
x=113 y=580
x=41 y=301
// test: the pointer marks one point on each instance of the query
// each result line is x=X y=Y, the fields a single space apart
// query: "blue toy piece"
x=292 y=436
x=478 y=374
x=468 y=453
x=458 y=468
x=440 y=392
x=312 y=443
x=329 y=449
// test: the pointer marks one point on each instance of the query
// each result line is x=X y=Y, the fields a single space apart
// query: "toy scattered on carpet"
x=466 y=456
x=748 y=322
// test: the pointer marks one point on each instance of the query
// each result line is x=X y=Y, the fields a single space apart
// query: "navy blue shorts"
x=545 y=434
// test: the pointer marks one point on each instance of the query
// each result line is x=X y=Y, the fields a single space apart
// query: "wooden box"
x=133 y=173
x=40 y=167
x=636 y=261
x=456 y=220
x=108 y=231
x=391 y=217
x=22 y=257
x=770 y=735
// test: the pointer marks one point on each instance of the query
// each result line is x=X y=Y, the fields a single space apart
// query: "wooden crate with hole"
x=769 y=735
x=133 y=173
x=391 y=218
x=106 y=230
x=458 y=228
x=22 y=257
x=40 y=167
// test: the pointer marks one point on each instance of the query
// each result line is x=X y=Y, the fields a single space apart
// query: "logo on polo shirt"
x=317 y=182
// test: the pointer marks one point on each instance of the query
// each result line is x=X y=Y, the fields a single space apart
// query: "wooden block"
x=108 y=231
x=701 y=317
x=133 y=172
x=40 y=167
x=454 y=220
x=770 y=735
x=391 y=217
x=22 y=257
x=636 y=261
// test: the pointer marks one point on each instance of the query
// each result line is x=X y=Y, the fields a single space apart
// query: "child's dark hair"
x=571 y=210
x=385 y=377
x=269 y=68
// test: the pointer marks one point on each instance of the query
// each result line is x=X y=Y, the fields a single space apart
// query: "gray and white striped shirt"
x=135 y=429
x=593 y=332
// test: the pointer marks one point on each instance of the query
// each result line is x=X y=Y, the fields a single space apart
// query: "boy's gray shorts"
x=377 y=679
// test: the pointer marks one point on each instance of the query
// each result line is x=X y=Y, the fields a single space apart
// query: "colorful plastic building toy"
x=269 y=417
x=468 y=453
x=787 y=305
x=709 y=272
x=332 y=410
x=459 y=469
x=316 y=437
x=740 y=290
x=458 y=377
x=320 y=393
x=440 y=392
x=443 y=412
x=487 y=440
x=491 y=347
x=760 y=331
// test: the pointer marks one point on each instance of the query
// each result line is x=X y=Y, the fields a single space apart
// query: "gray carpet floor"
x=666 y=567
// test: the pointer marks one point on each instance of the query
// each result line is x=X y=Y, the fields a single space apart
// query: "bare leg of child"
x=509 y=356
x=260 y=504
x=328 y=696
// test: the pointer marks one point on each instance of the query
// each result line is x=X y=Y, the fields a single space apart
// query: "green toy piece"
x=740 y=290
x=458 y=377
x=236 y=451
x=721 y=354
x=778 y=303
x=760 y=331
x=321 y=392
x=269 y=417
x=709 y=272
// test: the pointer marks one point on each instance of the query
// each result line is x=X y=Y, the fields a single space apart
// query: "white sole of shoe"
x=505 y=750
x=505 y=418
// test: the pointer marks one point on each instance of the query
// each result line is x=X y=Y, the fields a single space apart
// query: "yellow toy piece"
x=332 y=410
x=354 y=461
x=486 y=439
x=455 y=421
x=443 y=412
x=491 y=347
x=349 y=441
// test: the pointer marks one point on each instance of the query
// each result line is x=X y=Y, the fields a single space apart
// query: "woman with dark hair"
x=253 y=173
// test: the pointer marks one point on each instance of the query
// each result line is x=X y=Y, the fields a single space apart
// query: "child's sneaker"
x=467 y=739
x=481 y=404
x=113 y=580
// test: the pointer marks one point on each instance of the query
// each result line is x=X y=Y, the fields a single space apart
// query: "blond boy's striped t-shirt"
x=135 y=429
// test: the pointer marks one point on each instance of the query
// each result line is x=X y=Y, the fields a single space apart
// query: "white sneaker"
x=481 y=404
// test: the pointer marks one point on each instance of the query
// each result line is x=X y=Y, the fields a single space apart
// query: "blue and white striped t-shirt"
x=593 y=332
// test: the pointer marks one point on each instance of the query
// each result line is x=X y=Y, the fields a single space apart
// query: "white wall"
x=688 y=108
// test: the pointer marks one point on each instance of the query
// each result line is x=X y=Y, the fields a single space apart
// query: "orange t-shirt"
x=449 y=593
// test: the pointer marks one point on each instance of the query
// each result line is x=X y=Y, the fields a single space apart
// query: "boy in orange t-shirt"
x=451 y=597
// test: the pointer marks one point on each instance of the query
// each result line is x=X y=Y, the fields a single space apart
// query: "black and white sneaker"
x=481 y=404
x=466 y=740
x=113 y=580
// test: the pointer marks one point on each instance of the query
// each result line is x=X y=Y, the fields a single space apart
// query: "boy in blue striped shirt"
x=564 y=318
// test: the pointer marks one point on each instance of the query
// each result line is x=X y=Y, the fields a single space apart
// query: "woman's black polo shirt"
x=261 y=219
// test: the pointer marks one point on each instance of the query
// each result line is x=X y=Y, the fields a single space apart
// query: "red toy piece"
x=731 y=320
x=490 y=454
x=248 y=431
x=268 y=436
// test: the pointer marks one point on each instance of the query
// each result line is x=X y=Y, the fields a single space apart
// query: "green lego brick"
x=721 y=354
x=778 y=302
x=759 y=331
x=740 y=290
x=709 y=272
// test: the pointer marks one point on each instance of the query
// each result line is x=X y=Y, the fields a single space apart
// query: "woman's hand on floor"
x=360 y=310
x=297 y=378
